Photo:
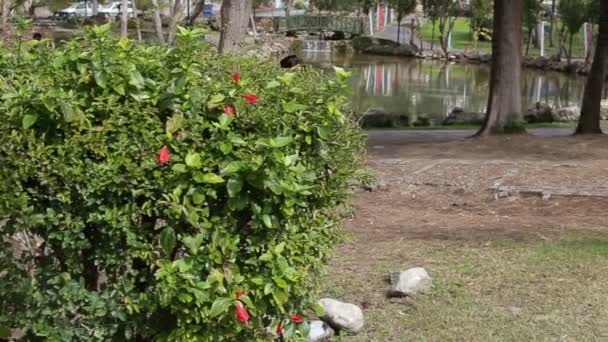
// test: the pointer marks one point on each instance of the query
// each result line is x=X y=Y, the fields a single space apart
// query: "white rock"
x=410 y=282
x=342 y=315
x=319 y=331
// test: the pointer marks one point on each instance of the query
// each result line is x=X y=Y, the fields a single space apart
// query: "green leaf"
x=296 y=90
x=220 y=306
x=291 y=107
x=225 y=121
x=287 y=78
x=323 y=132
x=290 y=160
x=193 y=160
x=267 y=220
x=67 y=110
x=280 y=282
x=198 y=198
x=28 y=120
x=280 y=296
x=194 y=243
x=174 y=123
x=318 y=309
x=278 y=249
x=215 y=101
x=209 y=178
x=137 y=79
x=168 y=240
x=234 y=186
x=280 y=141
x=266 y=257
x=273 y=84
x=179 y=168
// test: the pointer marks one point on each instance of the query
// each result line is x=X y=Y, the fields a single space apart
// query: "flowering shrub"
x=175 y=194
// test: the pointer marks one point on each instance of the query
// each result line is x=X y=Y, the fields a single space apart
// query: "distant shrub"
x=175 y=194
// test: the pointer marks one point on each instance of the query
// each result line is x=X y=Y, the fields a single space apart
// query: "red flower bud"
x=229 y=110
x=251 y=98
x=236 y=77
x=297 y=319
x=241 y=313
x=240 y=293
x=280 y=329
x=164 y=155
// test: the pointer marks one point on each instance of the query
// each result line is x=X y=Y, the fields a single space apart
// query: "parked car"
x=114 y=9
x=79 y=9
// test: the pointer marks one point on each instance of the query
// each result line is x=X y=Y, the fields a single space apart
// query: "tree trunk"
x=94 y=7
x=433 y=36
x=570 y=48
x=158 y=24
x=235 y=14
x=176 y=15
x=504 y=103
x=552 y=23
x=137 y=22
x=198 y=10
x=399 y=30
x=6 y=8
x=589 y=122
x=529 y=41
x=124 y=19
x=287 y=8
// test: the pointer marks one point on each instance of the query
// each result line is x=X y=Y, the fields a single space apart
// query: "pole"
x=188 y=12
x=585 y=41
x=371 y=23
x=541 y=36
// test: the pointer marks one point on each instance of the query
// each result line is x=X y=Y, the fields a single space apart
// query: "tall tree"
x=532 y=13
x=5 y=8
x=124 y=19
x=288 y=5
x=235 y=15
x=504 y=103
x=403 y=8
x=176 y=9
x=574 y=13
x=158 y=24
x=589 y=122
x=198 y=10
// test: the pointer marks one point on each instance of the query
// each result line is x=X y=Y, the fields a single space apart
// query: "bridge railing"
x=318 y=23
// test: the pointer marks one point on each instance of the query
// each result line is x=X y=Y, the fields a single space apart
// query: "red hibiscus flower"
x=280 y=329
x=229 y=110
x=240 y=293
x=236 y=77
x=251 y=98
x=164 y=155
x=241 y=313
x=297 y=319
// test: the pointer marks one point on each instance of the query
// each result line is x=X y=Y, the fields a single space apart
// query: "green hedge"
x=169 y=198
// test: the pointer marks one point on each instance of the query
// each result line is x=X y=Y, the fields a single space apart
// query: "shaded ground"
x=505 y=269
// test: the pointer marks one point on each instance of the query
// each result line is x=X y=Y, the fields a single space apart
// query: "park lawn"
x=462 y=40
x=493 y=290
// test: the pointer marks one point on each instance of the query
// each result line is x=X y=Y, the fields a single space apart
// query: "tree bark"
x=433 y=36
x=570 y=48
x=124 y=19
x=176 y=15
x=504 y=103
x=5 y=8
x=235 y=14
x=399 y=30
x=94 y=7
x=287 y=8
x=198 y=10
x=137 y=22
x=589 y=122
x=158 y=24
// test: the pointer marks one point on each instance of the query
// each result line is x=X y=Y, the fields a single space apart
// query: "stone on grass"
x=410 y=282
x=342 y=316
x=319 y=331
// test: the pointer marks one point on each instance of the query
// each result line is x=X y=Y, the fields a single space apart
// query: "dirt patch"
x=439 y=209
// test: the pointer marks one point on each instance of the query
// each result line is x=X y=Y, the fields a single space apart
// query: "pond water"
x=417 y=87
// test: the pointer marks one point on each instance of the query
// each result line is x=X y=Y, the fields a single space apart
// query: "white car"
x=79 y=9
x=114 y=9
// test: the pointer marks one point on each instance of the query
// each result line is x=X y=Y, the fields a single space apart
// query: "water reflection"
x=421 y=87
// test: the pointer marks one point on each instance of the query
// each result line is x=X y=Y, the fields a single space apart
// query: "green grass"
x=551 y=290
x=462 y=40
